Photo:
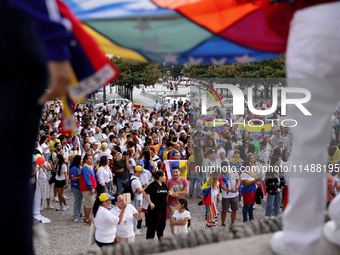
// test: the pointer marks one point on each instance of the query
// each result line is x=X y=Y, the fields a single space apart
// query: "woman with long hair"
x=61 y=180
x=148 y=163
x=255 y=166
x=157 y=205
x=105 y=222
x=44 y=185
x=122 y=137
x=75 y=171
x=277 y=152
x=209 y=144
x=104 y=176
x=229 y=150
x=141 y=134
x=285 y=155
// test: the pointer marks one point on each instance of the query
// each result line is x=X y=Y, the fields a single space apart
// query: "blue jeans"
x=78 y=197
x=198 y=186
x=276 y=200
x=248 y=209
x=18 y=41
x=47 y=156
x=120 y=183
x=108 y=186
x=135 y=203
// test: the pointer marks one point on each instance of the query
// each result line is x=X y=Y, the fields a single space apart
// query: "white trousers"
x=312 y=59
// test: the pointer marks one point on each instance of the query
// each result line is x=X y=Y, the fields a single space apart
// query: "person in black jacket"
x=274 y=187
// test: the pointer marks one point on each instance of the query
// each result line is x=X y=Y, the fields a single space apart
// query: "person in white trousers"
x=313 y=62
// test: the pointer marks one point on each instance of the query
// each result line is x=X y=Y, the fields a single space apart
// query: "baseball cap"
x=266 y=135
x=109 y=157
x=105 y=196
x=236 y=151
x=140 y=163
x=75 y=143
x=278 y=129
x=139 y=169
x=96 y=143
x=90 y=132
x=211 y=151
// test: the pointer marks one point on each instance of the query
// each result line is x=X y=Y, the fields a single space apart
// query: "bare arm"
x=331 y=190
x=181 y=193
x=179 y=223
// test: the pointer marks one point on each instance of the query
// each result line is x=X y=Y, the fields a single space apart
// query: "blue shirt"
x=168 y=105
x=157 y=106
x=75 y=172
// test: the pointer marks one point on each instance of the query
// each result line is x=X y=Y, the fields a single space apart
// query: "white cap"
x=220 y=151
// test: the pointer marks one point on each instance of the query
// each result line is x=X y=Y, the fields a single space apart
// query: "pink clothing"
x=330 y=180
x=176 y=186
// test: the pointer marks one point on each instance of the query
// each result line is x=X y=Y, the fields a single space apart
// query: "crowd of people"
x=123 y=149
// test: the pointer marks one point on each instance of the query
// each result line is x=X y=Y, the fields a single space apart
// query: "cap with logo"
x=105 y=196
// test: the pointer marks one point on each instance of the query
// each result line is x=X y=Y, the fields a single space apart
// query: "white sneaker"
x=50 y=207
x=41 y=208
x=56 y=199
x=59 y=208
x=229 y=210
x=66 y=197
x=64 y=207
x=137 y=232
x=76 y=221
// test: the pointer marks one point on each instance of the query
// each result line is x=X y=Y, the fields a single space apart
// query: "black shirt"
x=122 y=164
x=158 y=194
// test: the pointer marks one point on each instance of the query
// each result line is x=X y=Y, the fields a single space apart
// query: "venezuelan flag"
x=256 y=130
x=248 y=194
x=182 y=164
x=236 y=163
x=206 y=191
x=90 y=68
x=136 y=106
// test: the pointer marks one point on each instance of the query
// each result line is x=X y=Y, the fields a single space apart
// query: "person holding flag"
x=248 y=189
x=210 y=191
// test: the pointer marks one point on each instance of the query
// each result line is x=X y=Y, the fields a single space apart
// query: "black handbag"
x=52 y=180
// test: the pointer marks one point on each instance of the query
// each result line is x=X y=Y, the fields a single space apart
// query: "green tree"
x=134 y=73
x=242 y=72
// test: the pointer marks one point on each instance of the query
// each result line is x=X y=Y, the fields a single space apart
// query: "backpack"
x=127 y=187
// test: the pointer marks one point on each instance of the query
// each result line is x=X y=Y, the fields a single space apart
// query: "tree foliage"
x=134 y=72
x=272 y=68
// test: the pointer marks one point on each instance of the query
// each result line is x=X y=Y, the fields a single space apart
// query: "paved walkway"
x=67 y=237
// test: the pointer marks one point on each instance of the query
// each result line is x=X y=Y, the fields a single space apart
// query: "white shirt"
x=103 y=175
x=180 y=217
x=264 y=155
x=106 y=224
x=133 y=164
x=62 y=171
x=232 y=177
x=134 y=186
x=104 y=153
x=156 y=159
x=125 y=228
x=45 y=148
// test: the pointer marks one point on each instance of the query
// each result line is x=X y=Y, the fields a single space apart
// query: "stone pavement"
x=66 y=237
